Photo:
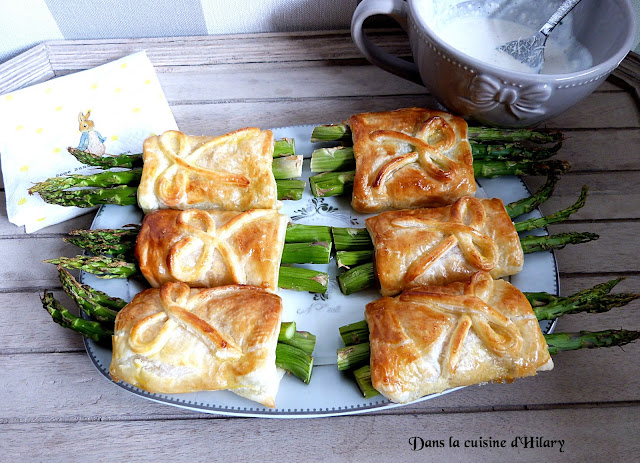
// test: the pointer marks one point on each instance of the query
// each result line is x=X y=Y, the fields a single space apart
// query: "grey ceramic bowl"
x=490 y=94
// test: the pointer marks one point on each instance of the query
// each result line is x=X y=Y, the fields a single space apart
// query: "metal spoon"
x=530 y=50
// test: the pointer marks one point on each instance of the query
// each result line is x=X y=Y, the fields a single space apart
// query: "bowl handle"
x=397 y=9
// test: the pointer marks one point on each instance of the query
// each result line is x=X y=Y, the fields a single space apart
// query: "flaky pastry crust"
x=212 y=248
x=231 y=172
x=435 y=246
x=410 y=158
x=176 y=339
x=434 y=338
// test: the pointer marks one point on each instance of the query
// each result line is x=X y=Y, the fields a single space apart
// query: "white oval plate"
x=330 y=391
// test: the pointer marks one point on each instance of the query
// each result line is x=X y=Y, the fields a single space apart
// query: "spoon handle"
x=560 y=13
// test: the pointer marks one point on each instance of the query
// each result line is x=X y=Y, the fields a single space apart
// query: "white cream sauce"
x=480 y=37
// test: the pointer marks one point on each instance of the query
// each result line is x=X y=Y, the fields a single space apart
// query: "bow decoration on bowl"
x=486 y=92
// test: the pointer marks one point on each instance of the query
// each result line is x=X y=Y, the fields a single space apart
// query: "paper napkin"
x=109 y=109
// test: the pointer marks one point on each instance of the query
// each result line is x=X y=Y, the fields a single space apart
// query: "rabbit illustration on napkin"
x=90 y=139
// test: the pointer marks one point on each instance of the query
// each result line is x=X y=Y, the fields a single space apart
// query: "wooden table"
x=55 y=406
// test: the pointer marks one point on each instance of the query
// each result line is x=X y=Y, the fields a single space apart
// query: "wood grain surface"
x=55 y=406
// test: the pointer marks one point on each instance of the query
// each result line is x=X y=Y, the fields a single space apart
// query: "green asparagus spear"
x=284 y=147
x=603 y=304
x=490 y=134
x=512 y=151
x=102 y=179
x=342 y=133
x=350 y=357
x=331 y=132
x=126 y=237
x=341 y=158
x=118 y=243
x=100 y=266
x=357 y=279
x=302 y=340
x=119 y=195
x=287 y=167
x=294 y=360
x=331 y=183
x=91 y=295
x=546 y=243
x=355 y=333
x=335 y=159
x=592 y=300
x=299 y=279
x=589 y=339
x=90 y=329
x=559 y=216
x=351 y=239
x=287 y=330
x=350 y=259
x=290 y=189
x=88 y=298
x=538 y=299
x=298 y=233
x=523 y=206
x=492 y=169
x=121 y=250
x=363 y=379
x=126 y=196
x=127 y=234
x=106 y=161
x=338 y=183
x=302 y=279
x=307 y=253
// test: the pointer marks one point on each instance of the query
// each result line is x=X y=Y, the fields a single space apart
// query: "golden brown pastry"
x=434 y=338
x=212 y=248
x=176 y=339
x=231 y=172
x=410 y=158
x=435 y=246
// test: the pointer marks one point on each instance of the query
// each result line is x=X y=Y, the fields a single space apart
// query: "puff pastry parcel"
x=231 y=172
x=434 y=338
x=410 y=158
x=177 y=339
x=212 y=248
x=435 y=246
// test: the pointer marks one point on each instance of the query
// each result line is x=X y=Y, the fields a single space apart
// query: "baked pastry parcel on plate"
x=177 y=339
x=433 y=338
x=434 y=246
x=230 y=172
x=410 y=158
x=212 y=248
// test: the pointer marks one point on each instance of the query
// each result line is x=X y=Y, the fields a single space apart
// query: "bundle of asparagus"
x=113 y=249
x=112 y=257
x=293 y=352
x=354 y=248
x=496 y=152
x=355 y=355
x=120 y=186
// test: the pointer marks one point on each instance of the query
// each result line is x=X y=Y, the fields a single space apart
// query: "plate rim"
x=257 y=411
